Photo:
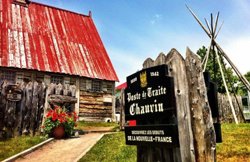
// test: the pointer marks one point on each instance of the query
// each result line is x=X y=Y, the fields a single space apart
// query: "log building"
x=51 y=45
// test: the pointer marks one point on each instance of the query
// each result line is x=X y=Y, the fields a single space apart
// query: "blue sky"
x=133 y=30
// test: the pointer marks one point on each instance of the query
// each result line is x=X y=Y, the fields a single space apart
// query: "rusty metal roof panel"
x=45 y=38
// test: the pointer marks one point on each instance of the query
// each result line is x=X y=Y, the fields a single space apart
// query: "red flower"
x=54 y=116
x=49 y=113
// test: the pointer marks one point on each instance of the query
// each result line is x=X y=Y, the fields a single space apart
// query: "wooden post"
x=122 y=111
x=113 y=108
x=77 y=104
x=202 y=124
x=46 y=104
x=178 y=70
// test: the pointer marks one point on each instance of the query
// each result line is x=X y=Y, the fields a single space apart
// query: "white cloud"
x=125 y=62
x=238 y=50
x=155 y=19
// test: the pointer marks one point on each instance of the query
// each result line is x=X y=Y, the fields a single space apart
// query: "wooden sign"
x=150 y=106
x=13 y=93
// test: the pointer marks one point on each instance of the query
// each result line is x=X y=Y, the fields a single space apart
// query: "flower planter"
x=58 y=132
x=59 y=123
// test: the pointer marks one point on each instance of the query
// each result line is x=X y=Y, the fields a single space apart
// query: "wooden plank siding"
x=94 y=104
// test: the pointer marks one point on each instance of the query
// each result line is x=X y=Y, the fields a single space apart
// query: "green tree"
x=241 y=87
x=214 y=70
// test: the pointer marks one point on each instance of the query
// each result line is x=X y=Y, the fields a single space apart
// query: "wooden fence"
x=225 y=110
x=22 y=106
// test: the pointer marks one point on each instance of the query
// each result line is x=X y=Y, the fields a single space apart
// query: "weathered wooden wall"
x=91 y=106
x=95 y=106
x=195 y=125
x=23 y=116
x=225 y=110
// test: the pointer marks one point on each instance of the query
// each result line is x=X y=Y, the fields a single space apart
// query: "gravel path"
x=65 y=150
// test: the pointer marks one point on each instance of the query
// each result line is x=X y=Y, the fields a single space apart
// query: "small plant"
x=60 y=117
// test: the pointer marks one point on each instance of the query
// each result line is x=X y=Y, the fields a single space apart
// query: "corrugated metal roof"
x=121 y=86
x=46 y=38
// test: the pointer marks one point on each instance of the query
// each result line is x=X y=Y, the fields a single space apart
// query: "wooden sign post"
x=167 y=111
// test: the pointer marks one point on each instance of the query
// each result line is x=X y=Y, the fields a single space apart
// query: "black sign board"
x=166 y=135
x=150 y=102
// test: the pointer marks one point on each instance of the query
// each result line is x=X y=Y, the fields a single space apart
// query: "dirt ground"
x=65 y=150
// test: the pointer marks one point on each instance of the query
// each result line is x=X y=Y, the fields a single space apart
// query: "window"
x=57 y=79
x=83 y=84
x=96 y=86
x=10 y=76
x=86 y=84
x=90 y=85
x=19 y=77
x=108 y=87
x=39 y=77
x=66 y=81
x=72 y=81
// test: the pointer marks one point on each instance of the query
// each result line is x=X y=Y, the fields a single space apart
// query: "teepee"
x=212 y=31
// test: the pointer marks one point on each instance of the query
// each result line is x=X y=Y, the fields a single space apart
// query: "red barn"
x=52 y=45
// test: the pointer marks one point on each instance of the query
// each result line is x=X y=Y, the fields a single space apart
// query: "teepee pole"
x=225 y=84
x=197 y=19
x=216 y=22
x=219 y=30
x=208 y=25
x=242 y=78
x=206 y=57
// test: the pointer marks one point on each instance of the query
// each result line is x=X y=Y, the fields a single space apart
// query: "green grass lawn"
x=236 y=143
x=15 y=145
x=82 y=125
x=235 y=147
x=111 y=148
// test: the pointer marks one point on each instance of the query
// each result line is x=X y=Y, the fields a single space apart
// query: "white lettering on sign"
x=135 y=109
x=156 y=73
x=150 y=139
x=138 y=132
x=133 y=80
x=150 y=92
x=156 y=92
x=133 y=97
x=163 y=139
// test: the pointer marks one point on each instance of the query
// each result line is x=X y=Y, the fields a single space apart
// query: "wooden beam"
x=225 y=84
x=207 y=56
x=208 y=25
x=178 y=70
x=216 y=22
x=219 y=30
x=212 y=25
x=202 y=122
x=197 y=19
x=77 y=104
